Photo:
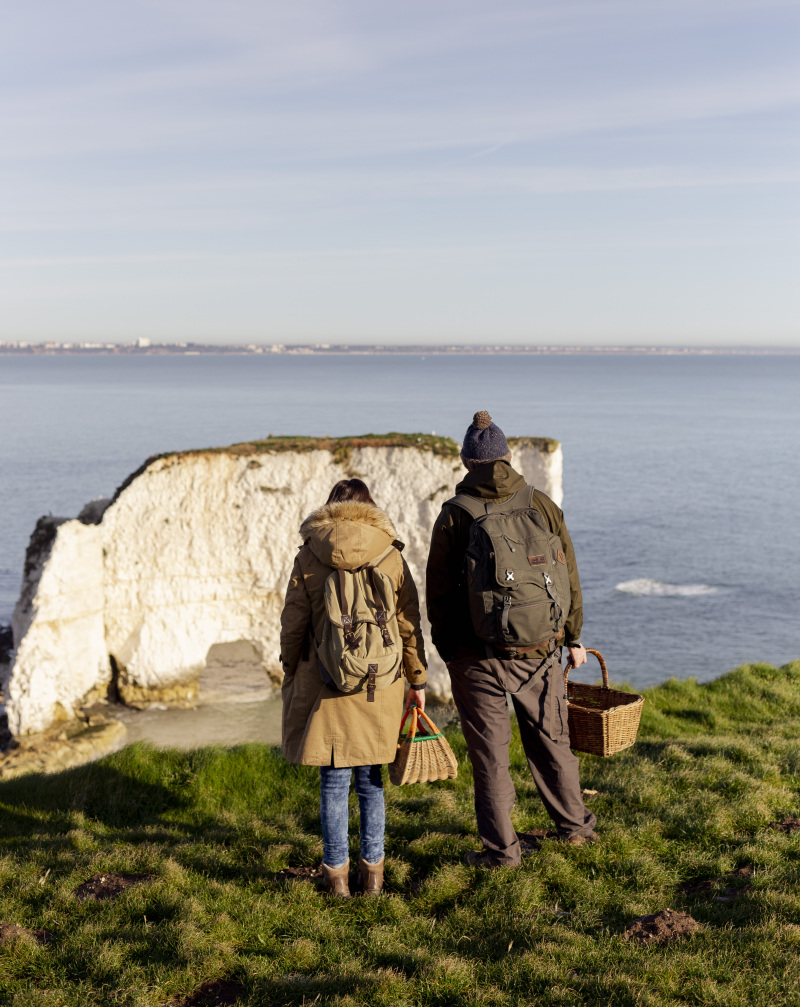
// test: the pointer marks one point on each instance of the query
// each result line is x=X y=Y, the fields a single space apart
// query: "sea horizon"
x=147 y=347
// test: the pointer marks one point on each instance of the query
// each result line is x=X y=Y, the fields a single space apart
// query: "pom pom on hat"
x=484 y=441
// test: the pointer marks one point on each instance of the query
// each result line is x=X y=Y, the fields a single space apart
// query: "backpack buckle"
x=372 y=671
x=349 y=635
x=381 y=619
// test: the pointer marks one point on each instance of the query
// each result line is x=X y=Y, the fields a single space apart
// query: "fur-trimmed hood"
x=346 y=535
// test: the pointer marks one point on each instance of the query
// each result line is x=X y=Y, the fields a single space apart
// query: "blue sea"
x=681 y=472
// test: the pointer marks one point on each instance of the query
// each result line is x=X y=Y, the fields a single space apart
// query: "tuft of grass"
x=714 y=765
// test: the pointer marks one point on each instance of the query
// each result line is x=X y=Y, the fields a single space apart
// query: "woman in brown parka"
x=341 y=732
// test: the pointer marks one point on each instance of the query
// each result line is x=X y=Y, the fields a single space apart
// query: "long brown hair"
x=350 y=489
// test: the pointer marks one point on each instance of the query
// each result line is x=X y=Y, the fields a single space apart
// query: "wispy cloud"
x=317 y=83
x=157 y=130
x=255 y=201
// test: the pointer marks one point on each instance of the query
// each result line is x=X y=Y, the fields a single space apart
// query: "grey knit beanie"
x=484 y=441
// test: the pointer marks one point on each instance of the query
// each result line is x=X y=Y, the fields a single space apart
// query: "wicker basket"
x=422 y=758
x=601 y=720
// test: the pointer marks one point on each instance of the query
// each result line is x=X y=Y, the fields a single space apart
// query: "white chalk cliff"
x=194 y=553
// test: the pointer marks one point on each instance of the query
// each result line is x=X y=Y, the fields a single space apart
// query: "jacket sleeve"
x=408 y=621
x=574 y=623
x=295 y=619
x=442 y=581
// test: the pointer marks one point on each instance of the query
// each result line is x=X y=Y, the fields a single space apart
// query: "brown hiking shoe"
x=578 y=840
x=483 y=858
x=371 y=876
x=335 y=880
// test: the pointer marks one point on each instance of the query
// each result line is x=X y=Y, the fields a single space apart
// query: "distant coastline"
x=145 y=347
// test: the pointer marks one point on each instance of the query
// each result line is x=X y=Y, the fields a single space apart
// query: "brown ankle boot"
x=335 y=880
x=371 y=876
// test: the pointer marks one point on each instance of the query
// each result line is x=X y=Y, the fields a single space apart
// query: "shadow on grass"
x=703 y=718
x=97 y=791
x=218 y=811
x=144 y=786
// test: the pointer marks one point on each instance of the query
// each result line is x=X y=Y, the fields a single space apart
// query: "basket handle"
x=432 y=727
x=413 y=731
x=603 y=668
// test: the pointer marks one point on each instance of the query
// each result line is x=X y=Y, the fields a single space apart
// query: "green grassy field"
x=714 y=766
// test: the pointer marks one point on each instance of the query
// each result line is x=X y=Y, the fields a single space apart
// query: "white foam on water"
x=645 y=587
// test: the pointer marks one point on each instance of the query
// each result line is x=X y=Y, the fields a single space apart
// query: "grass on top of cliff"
x=340 y=447
x=679 y=815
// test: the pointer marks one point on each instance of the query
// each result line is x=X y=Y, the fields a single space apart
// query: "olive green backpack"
x=516 y=573
x=361 y=646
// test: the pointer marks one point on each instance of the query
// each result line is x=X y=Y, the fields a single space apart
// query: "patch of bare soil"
x=108 y=886
x=696 y=886
x=731 y=892
x=660 y=928
x=211 y=993
x=530 y=841
x=787 y=825
x=299 y=874
x=11 y=932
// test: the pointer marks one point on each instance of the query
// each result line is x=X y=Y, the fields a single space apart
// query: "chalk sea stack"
x=192 y=556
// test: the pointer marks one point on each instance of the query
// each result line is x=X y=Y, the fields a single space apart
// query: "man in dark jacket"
x=481 y=675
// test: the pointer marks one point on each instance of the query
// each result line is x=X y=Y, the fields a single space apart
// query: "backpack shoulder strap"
x=380 y=611
x=540 y=514
x=472 y=505
x=347 y=619
x=522 y=499
x=477 y=507
x=373 y=563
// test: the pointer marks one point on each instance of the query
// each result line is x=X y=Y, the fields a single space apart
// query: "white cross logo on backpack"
x=509 y=574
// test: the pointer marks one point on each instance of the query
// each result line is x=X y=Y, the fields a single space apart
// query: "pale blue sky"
x=550 y=171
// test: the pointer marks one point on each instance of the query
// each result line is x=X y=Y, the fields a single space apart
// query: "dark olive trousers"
x=537 y=693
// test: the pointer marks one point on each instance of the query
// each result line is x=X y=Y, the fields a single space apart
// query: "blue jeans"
x=334 y=789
